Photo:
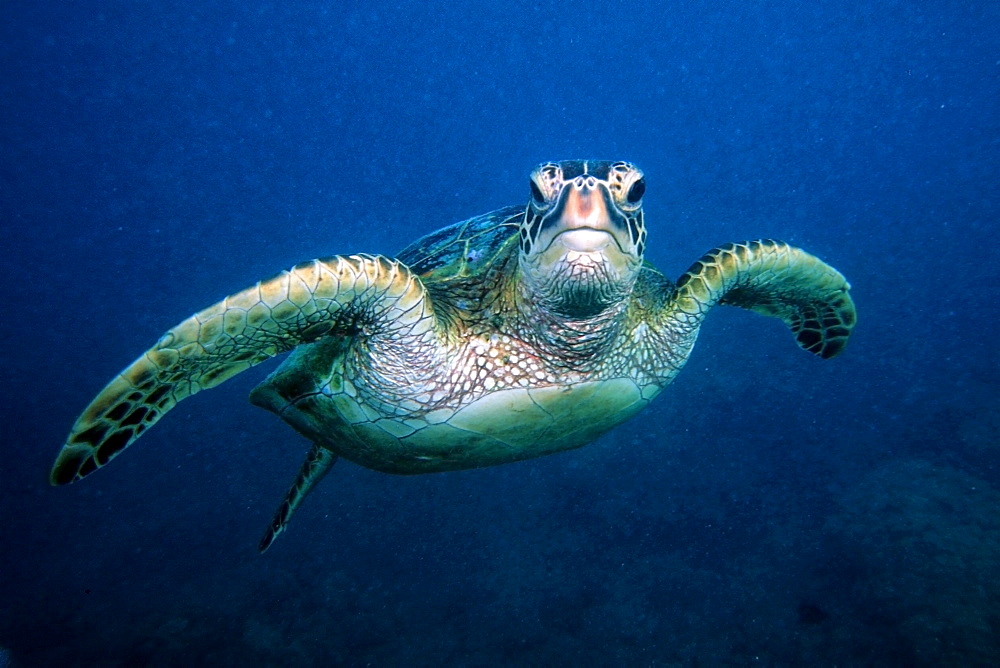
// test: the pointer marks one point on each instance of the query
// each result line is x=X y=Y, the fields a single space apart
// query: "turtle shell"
x=464 y=249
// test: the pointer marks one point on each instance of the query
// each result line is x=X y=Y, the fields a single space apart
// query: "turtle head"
x=582 y=237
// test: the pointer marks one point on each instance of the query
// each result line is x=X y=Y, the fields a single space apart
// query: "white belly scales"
x=499 y=427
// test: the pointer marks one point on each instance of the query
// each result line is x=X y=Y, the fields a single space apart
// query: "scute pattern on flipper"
x=774 y=279
x=296 y=306
x=120 y=414
x=825 y=329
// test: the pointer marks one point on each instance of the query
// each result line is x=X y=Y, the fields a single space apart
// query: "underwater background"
x=769 y=508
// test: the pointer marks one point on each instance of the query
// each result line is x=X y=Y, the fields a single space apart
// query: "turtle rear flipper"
x=777 y=280
x=316 y=465
x=333 y=296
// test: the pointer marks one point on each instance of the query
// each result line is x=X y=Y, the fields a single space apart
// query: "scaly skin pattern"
x=400 y=375
x=407 y=374
x=312 y=300
x=511 y=384
x=777 y=280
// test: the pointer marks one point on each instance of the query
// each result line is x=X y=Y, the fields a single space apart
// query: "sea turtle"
x=515 y=334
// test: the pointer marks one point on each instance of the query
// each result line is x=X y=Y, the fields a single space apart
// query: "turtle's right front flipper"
x=334 y=296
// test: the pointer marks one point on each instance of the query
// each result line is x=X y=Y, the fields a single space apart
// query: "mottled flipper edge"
x=777 y=280
x=334 y=295
x=317 y=464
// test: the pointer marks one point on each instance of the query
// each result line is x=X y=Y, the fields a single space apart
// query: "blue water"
x=769 y=508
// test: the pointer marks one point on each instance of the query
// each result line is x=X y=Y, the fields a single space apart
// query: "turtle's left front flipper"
x=773 y=279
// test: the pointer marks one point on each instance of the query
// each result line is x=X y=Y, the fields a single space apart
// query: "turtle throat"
x=576 y=333
x=572 y=303
x=579 y=285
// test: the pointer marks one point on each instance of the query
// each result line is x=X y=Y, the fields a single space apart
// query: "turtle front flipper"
x=773 y=279
x=334 y=296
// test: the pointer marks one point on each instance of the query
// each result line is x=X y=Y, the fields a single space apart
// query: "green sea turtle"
x=516 y=334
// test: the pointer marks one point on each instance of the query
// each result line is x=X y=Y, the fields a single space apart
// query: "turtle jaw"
x=579 y=284
x=585 y=240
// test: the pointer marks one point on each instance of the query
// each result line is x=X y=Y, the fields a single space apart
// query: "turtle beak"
x=584 y=220
x=583 y=207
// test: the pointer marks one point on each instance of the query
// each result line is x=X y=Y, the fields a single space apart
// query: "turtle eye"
x=536 y=193
x=636 y=192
